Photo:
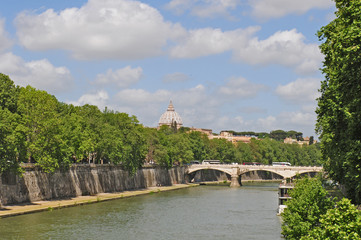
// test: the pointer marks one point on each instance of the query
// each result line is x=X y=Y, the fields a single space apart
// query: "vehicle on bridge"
x=252 y=163
x=194 y=162
x=211 y=162
x=281 y=164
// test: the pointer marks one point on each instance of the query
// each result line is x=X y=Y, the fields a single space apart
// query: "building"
x=230 y=137
x=306 y=140
x=223 y=135
x=170 y=117
x=208 y=132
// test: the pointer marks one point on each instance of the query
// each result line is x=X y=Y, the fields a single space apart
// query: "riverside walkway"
x=40 y=206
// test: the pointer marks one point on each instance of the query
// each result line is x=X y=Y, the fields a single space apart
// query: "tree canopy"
x=339 y=111
x=303 y=211
x=313 y=214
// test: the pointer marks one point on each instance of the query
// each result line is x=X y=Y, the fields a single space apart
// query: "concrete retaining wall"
x=80 y=180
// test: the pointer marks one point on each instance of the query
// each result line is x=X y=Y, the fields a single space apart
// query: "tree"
x=179 y=149
x=223 y=150
x=41 y=123
x=310 y=142
x=200 y=145
x=129 y=145
x=9 y=141
x=278 y=135
x=8 y=93
x=309 y=201
x=339 y=112
x=341 y=222
x=245 y=152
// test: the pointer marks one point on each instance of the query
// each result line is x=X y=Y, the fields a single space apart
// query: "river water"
x=204 y=212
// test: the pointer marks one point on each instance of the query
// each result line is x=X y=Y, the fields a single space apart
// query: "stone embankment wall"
x=80 y=180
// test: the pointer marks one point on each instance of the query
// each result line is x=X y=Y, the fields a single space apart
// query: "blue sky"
x=243 y=65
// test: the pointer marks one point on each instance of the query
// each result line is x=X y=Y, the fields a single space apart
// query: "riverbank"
x=39 y=206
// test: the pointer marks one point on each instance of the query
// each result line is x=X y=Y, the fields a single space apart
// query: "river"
x=204 y=212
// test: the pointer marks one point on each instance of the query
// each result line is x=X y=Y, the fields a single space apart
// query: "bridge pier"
x=234 y=181
x=234 y=177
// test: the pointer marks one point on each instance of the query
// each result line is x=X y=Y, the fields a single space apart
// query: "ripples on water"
x=205 y=212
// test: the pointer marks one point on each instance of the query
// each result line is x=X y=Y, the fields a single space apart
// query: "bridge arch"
x=227 y=171
x=277 y=174
x=198 y=174
x=307 y=172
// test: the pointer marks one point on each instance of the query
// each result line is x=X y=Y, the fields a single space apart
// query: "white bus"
x=211 y=162
x=281 y=164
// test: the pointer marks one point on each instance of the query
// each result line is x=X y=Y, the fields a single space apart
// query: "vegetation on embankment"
x=339 y=110
x=313 y=214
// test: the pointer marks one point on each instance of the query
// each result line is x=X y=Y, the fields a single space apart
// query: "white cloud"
x=179 y=6
x=302 y=121
x=298 y=118
x=240 y=88
x=140 y=97
x=175 y=77
x=124 y=29
x=284 y=47
x=287 y=48
x=261 y=9
x=99 y=98
x=208 y=41
x=266 y=9
x=121 y=78
x=145 y=105
x=303 y=90
x=203 y=8
x=40 y=74
x=110 y=29
x=268 y=124
x=5 y=42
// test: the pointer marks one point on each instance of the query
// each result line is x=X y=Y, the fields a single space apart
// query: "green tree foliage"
x=339 y=111
x=245 y=152
x=168 y=148
x=310 y=142
x=280 y=135
x=200 y=145
x=179 y=149
x=9 y=142
x=341 y=222
x=309 y=201
x=41 y=127
x=8 y=93
x=223 y=150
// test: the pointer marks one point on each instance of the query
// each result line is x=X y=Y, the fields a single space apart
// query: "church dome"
x=170 y=116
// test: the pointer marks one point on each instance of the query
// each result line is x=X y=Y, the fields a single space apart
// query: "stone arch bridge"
x=235 y=171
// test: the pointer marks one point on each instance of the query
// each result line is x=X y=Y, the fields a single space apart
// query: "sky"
x=242 y=65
